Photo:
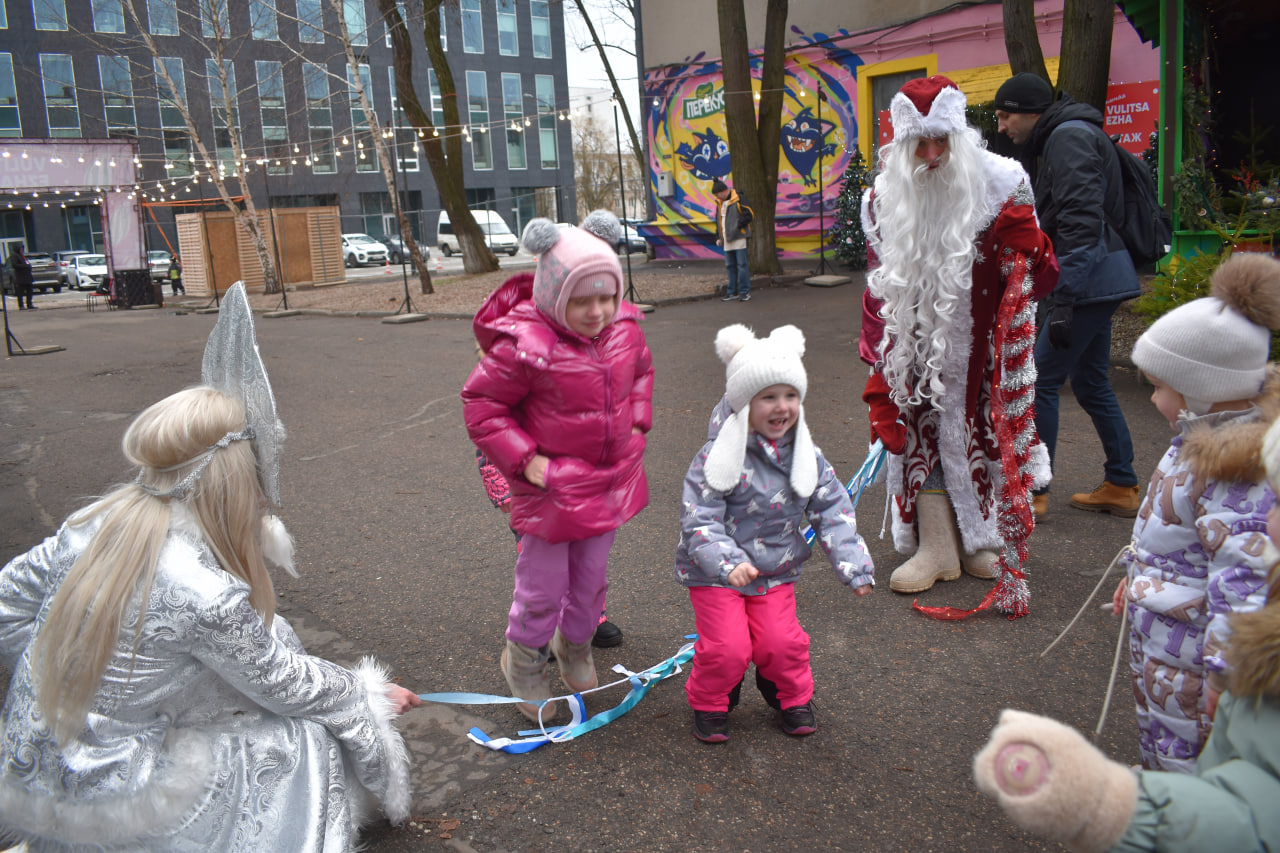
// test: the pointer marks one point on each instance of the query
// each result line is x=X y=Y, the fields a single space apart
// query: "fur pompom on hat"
x=572 y=262
x=927 y=106
x=1216 y=349
x=751 y=365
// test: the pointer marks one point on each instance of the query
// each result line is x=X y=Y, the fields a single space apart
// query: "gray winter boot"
x=937 y=557
x=528 y=678
x=577 y=668
x=981 y=564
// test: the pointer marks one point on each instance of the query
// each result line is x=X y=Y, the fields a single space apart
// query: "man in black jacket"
x=23 y=283
x=1078 y=190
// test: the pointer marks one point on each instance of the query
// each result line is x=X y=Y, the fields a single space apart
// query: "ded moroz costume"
x=956 y=262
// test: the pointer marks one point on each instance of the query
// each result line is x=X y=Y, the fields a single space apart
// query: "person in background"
x=1079 y=189
x=733 y=227
x=20 y=271
x=175 y=276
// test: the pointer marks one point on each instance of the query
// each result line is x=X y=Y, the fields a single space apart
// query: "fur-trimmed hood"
x=1233 y=451
x=1254 y=653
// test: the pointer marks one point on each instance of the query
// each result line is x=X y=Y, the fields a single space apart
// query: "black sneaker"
x=607 y=635
x=746 y=297
x=729 y=297
x=711 y=726
x=798 y=720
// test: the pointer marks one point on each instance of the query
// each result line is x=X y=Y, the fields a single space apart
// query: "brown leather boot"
x=577 y=668
x=528 y=677
x=937 y=557
x=1040 y=505
x=1120 y=501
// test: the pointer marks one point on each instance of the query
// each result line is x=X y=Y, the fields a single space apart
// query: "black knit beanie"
x=717 y=186
x=1024 y=93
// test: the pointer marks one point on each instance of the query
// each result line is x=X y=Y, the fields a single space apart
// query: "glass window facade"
x=226 y=115
x=513 y=113
x=357 y=26
x=10 y=122
x=540 y=27
x=311 y=21
x=478 y=116
x=60 y=104
x=508 y=32
x=108 y=16
x=406 y=140
x=177 y=142
x=437 y=102
x=162 y=17
x=472 y=27
x=117 y=97
x=319 y=119
x=545 y=86
x=366 y=155
x=50 y=14
x=215 y=20
x=275 y=121
x=263 y=20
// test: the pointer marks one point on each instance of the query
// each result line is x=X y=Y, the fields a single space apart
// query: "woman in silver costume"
x=157 y=701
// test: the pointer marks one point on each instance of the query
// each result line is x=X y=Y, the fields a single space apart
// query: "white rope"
x=1083 y=607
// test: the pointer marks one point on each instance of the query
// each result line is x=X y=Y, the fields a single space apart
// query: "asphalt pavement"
x=403 y=557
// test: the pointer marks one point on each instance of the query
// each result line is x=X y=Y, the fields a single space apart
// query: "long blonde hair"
x=166 y=441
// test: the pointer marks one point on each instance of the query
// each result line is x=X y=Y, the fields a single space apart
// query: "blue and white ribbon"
x=866 y=475
x=580 y=723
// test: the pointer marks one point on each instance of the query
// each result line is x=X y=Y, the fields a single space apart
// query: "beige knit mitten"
x=1053 y=782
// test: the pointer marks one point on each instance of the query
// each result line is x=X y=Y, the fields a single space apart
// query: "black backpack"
x=1146 y=230
x=1144 y=225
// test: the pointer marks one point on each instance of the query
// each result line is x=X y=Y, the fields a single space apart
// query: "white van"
x=496 y=233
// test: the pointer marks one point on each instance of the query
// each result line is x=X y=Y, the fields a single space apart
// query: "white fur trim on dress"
x=277 y=544
x=946 y=115
x=397 y=800
x=174 y=788
x=1003 y=175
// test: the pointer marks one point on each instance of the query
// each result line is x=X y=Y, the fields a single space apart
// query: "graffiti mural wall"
x=688 y=142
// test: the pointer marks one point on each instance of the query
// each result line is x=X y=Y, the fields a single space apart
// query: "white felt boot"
x=528 y=677
x=938 y=556
x=577 y=667
x=981 y=564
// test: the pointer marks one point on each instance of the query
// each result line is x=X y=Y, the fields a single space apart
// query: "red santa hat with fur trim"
x=927 y=106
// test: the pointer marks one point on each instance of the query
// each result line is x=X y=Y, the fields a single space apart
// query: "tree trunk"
x=1021 y=40
x=751 y=177
x=445 y=160
x=1087 y=26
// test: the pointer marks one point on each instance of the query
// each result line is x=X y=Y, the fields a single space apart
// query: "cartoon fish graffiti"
x=710 y=160
x=803 y=138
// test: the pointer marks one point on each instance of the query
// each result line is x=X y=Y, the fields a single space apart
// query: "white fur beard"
x=277 y=544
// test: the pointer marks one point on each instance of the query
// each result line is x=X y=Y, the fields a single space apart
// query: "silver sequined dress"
x=215 y=733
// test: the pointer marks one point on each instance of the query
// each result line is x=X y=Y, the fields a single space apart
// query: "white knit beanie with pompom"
x=751 y=365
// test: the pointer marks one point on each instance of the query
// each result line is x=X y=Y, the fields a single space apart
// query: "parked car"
x=159 y=261
x=44 y=274
x=63 y=260
x=497 y=235
x=396 y=251
x=631 y=240
x=88 y=272
x=360 y=250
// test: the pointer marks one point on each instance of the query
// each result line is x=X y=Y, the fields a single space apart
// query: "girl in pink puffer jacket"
x=560 y=403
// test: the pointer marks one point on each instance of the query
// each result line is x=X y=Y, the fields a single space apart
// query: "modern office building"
x=84 y=69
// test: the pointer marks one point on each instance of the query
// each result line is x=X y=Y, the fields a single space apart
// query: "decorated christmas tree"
x=846 y=235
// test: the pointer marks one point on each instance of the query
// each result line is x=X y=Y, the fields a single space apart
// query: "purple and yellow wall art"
x=689 y=142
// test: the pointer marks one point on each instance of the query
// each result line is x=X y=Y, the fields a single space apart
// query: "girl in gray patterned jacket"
x=746 y=498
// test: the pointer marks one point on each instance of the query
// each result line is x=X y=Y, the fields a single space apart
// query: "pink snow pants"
x=559 y=585
x=735 y=630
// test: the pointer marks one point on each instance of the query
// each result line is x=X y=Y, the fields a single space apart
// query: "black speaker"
x=133 y=287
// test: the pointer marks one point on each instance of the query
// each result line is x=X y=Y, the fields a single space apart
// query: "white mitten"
x=1053 y=782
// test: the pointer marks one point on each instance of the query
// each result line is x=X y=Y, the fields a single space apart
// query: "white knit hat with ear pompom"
x=751 y=365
